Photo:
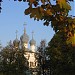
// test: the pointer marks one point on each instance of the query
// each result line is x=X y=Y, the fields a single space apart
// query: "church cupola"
x=32 y=43
x=24 y=39
x=16 y=42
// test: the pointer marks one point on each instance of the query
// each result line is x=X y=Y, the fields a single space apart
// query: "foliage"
x=62 y=56
x=13 y=61
x=54 y=14
x=43 y=59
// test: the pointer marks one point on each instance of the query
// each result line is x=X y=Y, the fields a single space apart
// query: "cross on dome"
x=16 y=33
x=24 y=38
x=32 y=34
x=24 y=27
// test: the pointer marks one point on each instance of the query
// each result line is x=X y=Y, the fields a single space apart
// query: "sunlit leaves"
x=71 y=31
x=71 y=40
x=63 y=4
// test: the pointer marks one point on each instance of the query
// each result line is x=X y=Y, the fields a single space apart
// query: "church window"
x=31 y=64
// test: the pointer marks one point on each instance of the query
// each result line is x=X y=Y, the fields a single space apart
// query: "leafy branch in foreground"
x=54 y=14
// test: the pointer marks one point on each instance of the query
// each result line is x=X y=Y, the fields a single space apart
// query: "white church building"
x=30 y=53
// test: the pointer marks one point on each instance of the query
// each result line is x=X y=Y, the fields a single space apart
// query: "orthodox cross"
x=24 y=24
x=16 y=33
x=24 y=27
x=32 y=34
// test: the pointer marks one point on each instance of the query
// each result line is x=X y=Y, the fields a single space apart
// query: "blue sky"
x=12 y=18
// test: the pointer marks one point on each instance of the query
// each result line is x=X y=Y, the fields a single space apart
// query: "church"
x=30 y=53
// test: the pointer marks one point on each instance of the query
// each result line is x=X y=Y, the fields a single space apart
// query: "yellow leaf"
x=63 y=4
x=49 y=12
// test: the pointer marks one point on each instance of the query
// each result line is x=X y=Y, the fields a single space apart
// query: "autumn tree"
x=56 y=15
x=61 y=47
x=62 y=56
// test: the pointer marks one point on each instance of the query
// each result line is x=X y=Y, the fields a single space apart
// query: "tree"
x=43 y=59
x=13 y=61
x=62 y=56
x=54 y=14
x=61 y=48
